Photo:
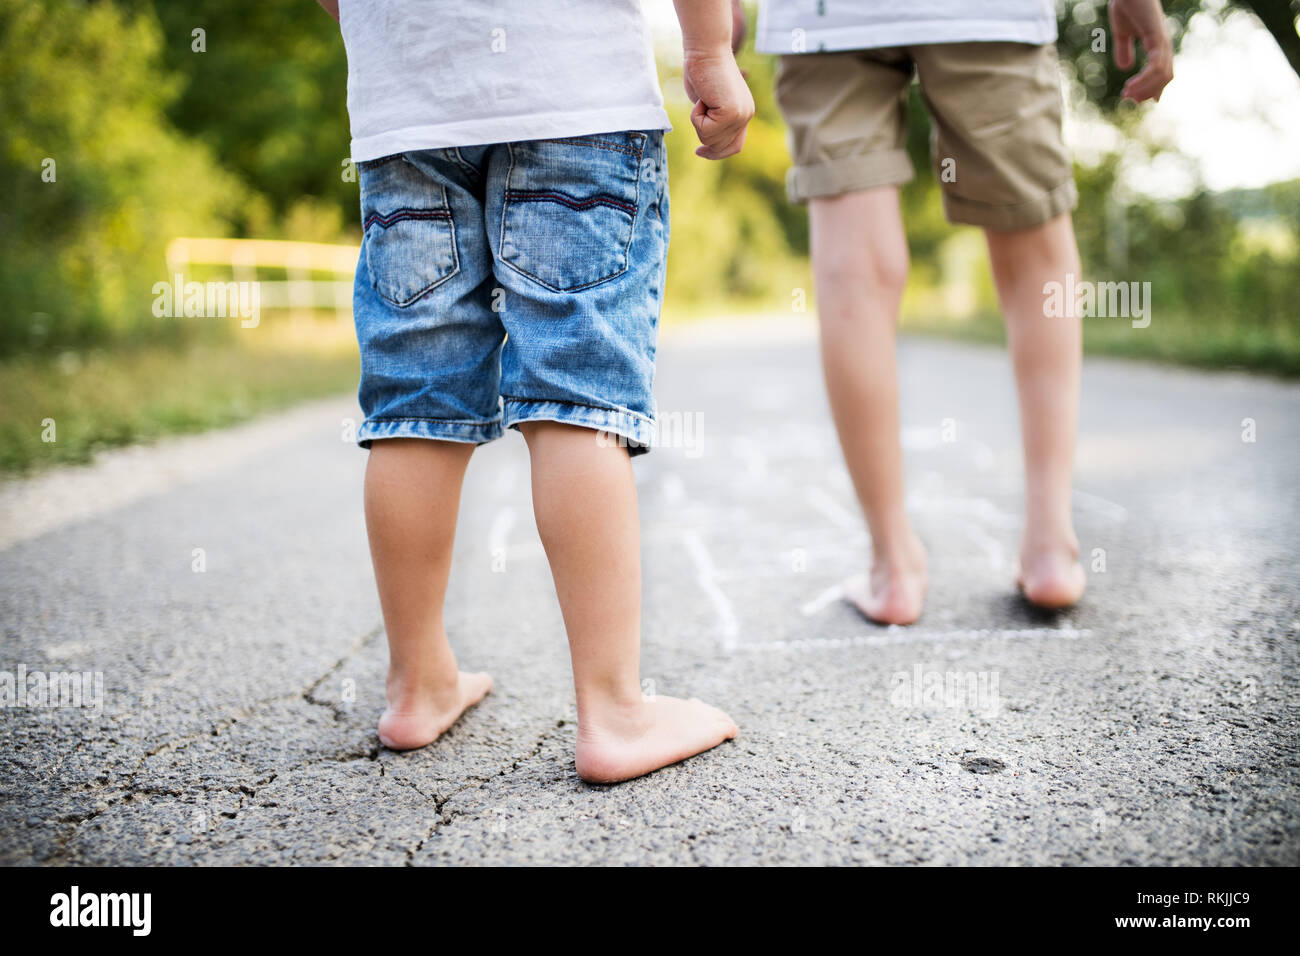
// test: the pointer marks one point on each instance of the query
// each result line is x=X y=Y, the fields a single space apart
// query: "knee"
x=878 y=271
x=1026 y=255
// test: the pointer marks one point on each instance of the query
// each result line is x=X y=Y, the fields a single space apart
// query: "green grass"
x=1210 y=345
x=103 y=399
x=1214 y=343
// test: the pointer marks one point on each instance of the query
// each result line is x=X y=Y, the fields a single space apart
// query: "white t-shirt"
x=809 y=26
x=431 y=73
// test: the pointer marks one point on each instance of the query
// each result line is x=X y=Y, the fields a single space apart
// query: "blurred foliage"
x=267 y=94
x=1090 y=53
x=1224 y=269
x=241 y=128
x=99 y=180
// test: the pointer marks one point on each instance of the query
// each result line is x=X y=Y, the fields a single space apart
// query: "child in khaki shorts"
x=988 y=75
x=996 y=127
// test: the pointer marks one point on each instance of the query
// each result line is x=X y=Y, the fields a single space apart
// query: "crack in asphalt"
x=124 y=793
x=129 y=791
x=1166 y=738
x=443 y=819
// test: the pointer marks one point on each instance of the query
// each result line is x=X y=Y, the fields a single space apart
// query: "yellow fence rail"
x=300 y=291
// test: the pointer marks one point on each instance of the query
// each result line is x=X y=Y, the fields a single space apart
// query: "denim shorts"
x=509 y=283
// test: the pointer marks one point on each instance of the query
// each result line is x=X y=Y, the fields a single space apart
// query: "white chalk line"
x=914 y=635
x=824 y=600
x=706 y=574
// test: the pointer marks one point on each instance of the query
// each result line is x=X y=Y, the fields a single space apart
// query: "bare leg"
x=412 y=496
x=584 y=497
x=1046 y=352
x=860 y=263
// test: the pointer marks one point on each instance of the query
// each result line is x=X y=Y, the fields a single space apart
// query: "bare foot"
x=894 y=592
x=1051 y=577
x=416 y=719
x=660 y=731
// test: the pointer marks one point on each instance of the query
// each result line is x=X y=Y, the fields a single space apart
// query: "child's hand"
x=1144 y=20
x=723 y=104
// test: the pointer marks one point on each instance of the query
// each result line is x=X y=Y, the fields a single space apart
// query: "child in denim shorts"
x=515 y=210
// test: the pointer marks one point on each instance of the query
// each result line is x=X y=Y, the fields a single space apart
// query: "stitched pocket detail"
x=410 y=237
x=569 y=209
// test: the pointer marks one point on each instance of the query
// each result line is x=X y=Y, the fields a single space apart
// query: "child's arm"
x=331 y=7
x=1144 y=20
x=723 y=104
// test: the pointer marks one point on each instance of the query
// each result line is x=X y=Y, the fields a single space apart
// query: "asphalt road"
x=1154 y=724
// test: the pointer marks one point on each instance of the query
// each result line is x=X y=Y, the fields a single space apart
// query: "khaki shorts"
x=995 y=113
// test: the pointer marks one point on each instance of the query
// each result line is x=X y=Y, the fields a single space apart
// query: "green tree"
x=1089 y=51
x=264 y=87
x=98 y=179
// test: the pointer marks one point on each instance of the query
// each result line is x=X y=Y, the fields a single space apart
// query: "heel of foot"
x=670 y=730
x=894 y=599
x=1054 y=591
x=400 y=733
x=417 y=721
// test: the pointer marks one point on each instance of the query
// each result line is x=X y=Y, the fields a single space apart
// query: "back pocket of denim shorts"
x=569 y=209
x=410 y=240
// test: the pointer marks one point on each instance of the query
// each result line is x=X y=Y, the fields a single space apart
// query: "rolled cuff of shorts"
x=616 y=426
x=1023 y=215
x=889 y=167
x=474 y=433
